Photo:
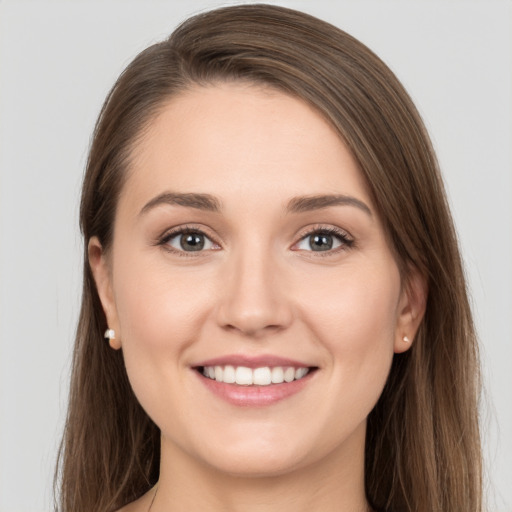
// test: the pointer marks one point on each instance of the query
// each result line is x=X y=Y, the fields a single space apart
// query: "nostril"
x=253 y=329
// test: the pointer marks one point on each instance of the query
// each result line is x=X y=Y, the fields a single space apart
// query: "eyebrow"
x=205 y=202
x=309 y=203
x=298 y=204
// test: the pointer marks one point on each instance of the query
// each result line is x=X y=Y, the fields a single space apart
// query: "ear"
x=411 y=309
x=103 y=278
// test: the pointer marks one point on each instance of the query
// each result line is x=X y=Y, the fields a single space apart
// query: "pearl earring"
x=406 y=339
x=110 y=334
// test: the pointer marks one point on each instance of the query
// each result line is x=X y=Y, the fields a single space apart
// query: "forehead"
x=237 y=140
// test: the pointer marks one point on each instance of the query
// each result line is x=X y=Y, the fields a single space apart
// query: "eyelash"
x=346 y=241
x=183 y=230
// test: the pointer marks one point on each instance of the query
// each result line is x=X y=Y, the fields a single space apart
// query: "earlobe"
x=102 y=277
x=412 y=307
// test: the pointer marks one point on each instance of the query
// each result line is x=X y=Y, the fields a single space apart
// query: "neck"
x=332 y=484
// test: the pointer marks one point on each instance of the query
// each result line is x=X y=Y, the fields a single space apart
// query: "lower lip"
x=254 y=396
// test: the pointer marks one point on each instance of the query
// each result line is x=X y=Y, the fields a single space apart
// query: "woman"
x=269 y=252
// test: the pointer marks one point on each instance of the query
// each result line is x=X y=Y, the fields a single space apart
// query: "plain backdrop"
x=58 y=61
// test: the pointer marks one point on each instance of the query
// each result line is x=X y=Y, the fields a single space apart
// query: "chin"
x=261 y=456
x=256 y=465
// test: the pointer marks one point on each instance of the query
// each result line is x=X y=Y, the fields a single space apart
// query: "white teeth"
x=243 y=376
x=289 y=374
x=263 y=376
x=300 y=372
x=277 y=375
x=229 y=375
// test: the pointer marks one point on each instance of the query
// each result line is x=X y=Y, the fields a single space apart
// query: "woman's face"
x=247 y=248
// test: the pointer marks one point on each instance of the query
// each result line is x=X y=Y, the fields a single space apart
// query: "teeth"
x=289 y=374
x=277 y=375
x=300 y=372
x=263 y=376
x=229 y=375
x=243 y=376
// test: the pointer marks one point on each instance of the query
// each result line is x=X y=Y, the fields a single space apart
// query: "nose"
x=254 y=297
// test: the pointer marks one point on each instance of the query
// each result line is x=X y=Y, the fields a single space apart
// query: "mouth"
x=260 y=376
x=254 y=382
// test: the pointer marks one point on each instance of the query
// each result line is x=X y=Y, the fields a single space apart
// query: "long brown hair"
x=423 y=445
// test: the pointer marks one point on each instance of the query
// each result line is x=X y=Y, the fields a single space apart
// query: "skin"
x=257 y=288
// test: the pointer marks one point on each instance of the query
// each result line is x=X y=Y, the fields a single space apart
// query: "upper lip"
x=252 y=361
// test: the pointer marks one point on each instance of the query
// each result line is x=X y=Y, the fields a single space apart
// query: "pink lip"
x=253 y=396
x=252 y=361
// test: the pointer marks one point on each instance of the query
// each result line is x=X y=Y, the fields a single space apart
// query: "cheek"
x=354 y=317
x=157 y=305
x=161 y=313
x=358 y=305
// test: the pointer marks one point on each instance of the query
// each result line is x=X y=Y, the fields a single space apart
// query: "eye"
x=323 y=240
x=187 y=240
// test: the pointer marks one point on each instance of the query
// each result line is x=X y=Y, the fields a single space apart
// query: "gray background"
x=57 y=62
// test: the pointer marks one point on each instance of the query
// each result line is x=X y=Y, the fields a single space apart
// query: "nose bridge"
x=254 y=300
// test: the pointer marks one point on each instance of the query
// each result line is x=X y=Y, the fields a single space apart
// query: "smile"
x=263 y=376
x=261 y=381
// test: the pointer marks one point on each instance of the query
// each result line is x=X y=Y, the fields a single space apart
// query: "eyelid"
x=327 y=228
x=347 y=241
x=173 y=232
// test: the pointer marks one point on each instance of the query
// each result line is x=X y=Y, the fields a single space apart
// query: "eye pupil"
x=320 y=242
x=192 y=242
